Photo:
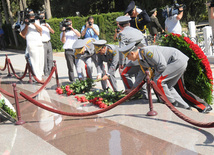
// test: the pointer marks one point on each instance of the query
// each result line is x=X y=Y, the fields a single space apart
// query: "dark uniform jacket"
x=140 y=21
x=154 y=25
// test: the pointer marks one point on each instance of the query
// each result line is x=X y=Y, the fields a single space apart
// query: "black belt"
x=46 y=41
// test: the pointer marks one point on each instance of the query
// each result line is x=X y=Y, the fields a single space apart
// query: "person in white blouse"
x=32 y=30
x=68 y=36
x=48 y=53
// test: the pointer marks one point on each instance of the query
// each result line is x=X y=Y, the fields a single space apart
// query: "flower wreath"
x=198 y=76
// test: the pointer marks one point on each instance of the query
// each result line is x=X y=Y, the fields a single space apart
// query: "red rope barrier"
x=37 y=92
x=178 y=113
x=154 y=86
x=86 y=113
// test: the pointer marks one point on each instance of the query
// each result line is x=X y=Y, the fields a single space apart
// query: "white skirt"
x=36 y=53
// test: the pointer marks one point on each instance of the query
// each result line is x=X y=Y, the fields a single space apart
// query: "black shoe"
x=189 y=108
x=175 y=104
x=106 y=89
x=207 y=109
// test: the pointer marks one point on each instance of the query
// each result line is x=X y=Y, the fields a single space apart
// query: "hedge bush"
x=106 y=23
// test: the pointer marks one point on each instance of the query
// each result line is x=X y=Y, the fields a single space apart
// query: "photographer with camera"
x=31 y=30
x=68 y=36
x=90 y=30
x=48 y=53
x=172 y=22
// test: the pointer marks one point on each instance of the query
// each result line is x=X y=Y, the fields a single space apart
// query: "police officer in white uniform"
x=169 y=65
x=107 y=53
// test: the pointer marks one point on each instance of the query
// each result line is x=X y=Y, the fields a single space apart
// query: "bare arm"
x=50 y=29
x=63 y=39
x=84 y=31
x=212 y=15
x=24 y=31
x=76 y=32
x=38 y=28
x=24 y=37
x=180 y=15
x=95 y=31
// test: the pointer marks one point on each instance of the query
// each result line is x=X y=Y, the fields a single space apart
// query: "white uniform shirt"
x=71 y=37
x=45 y=33
x=33 y=36
x=173 y=25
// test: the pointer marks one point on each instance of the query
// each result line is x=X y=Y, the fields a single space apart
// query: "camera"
x=27 y=15
x=211 y=4
x=89 y=23
x=173 y=10
x=118 y=30
x=39 y=16
x=22 y=15
x=65 y=23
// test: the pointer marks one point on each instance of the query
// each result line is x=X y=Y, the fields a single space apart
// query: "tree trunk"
x=1 y=19
x=6 y=17
x=22 y=4
x=5 y=11
x=12 y=22
x=48 y=8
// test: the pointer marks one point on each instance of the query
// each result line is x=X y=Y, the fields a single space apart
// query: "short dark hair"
x=124 y=25
x=69 y=20
x=90 y=17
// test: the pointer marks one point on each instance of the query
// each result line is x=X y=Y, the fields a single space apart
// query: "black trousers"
x=70 y=59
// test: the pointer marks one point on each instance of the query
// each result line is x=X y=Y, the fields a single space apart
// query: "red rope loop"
x=37 y=92
x=4 y=65
x=18 y=77
x=178 y=113
x=86 y=113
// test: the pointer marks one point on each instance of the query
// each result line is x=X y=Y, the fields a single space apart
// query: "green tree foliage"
x=195 y=11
